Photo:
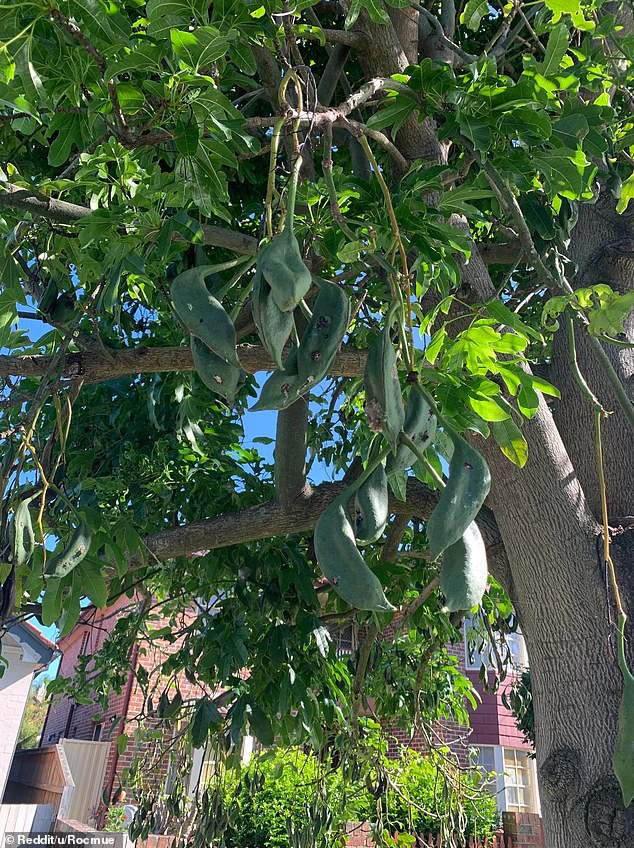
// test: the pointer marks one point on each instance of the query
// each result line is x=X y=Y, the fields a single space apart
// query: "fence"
x=26 y=818
x=359 y=836
x=69 y=776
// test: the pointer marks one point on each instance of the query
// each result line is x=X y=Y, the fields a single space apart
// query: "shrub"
x=285 y=799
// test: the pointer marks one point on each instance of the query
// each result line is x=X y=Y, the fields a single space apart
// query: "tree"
x=462 y=173
x=34 y=717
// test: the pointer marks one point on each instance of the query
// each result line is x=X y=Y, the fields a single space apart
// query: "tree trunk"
x=558 y=587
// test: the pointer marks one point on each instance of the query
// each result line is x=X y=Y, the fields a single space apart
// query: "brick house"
x=497 y=745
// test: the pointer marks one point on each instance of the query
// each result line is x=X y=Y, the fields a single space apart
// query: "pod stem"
x=370 y=467
x=409 y=350
x=411 y=444
x=607 y=558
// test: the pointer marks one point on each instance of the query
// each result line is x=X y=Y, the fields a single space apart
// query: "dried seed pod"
x=623 y=757
x=463 y=577
x=274 y=326
x=420 y=426
x=384 y=401
x=283 y=268
x=371 y=506
x=222 y=378
x=324 y=334
x=77 y=548
x=342 y=563
x=282 y=388
x=203 y=315
x=22 y=534
x=462 y=497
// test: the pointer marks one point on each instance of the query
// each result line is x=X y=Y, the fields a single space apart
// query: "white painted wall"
x=14 y=689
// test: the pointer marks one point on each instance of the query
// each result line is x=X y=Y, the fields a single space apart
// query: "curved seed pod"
x=342 y=563
x=462 y=497
x=203 y=315
x=49 y=297
x=274 y=326
x=371 y=506
x=77 y=548
x=22 y=533
x=282 y=388
x=324 y=334
x=219 y=376
x=383 y=398
x=420 y=426
x=284 y=270
x=463 y=577
x=623 y=756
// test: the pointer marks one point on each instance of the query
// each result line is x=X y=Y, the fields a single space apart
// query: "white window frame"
x=474 y=664
x=535 y=802
x=497 y=790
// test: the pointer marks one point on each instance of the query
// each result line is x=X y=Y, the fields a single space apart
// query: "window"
x=96 y=733
x=482 y=652
x=345 y=640
x=520 y=786
x=488 y=761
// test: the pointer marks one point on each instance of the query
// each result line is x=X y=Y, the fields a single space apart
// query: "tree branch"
x=355 y=38
x=96 y=367
x=495 y=253
x=28 y=200
x=290 y=453
x=272 y=519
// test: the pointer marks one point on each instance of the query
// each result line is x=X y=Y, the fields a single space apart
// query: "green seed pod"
x=342 y=563
x=623 y=756
x=383 y=398
x=324 y=334
x=203 y=315
x=49 y=297
x=463 y=577
x=274 y=326
x=460 y=502
x=371 y=506
x=22 y=534
x=285 y=271
x=282 y=388
x=420 y=426
x=219 y=376
x=62 y=564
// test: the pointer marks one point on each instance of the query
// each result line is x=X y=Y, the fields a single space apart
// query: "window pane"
x=518 y=781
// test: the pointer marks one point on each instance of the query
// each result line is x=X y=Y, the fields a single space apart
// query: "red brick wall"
x=525 y=829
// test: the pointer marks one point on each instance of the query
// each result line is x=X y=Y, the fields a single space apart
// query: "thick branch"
x=28 y=200
x=354 y=38
x=501 y=253
x=290 y=453
x=97 y=367
x=271 y=519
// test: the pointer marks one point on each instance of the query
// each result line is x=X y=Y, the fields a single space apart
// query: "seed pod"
x=463 y=577
x=371 y=506
x=22 y=533
x=460 y=502
x=324 y=334
x=420 y=426
x=342 y=563
x=274 y=326
x=203 y=315
x=283 y=268
x=77 y=548
x=219 y=376
x=623 y=757
x=282 y=388
x=383 y=398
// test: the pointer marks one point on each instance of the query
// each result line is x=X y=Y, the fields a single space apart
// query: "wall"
x=14 y=690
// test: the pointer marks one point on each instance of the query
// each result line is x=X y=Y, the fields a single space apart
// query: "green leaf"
x=511 y=441
x=206 y=715
x=68 y=136
x=473 y=13
x=555 y=50
x=93 y=583
x=200 y=48
x=487 y=408
x=627 y=193
x=261 y=726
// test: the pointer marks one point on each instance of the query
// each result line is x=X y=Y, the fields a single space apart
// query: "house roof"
x=36 y=648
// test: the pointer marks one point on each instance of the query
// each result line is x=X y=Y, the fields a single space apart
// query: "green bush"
x=279 y=798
